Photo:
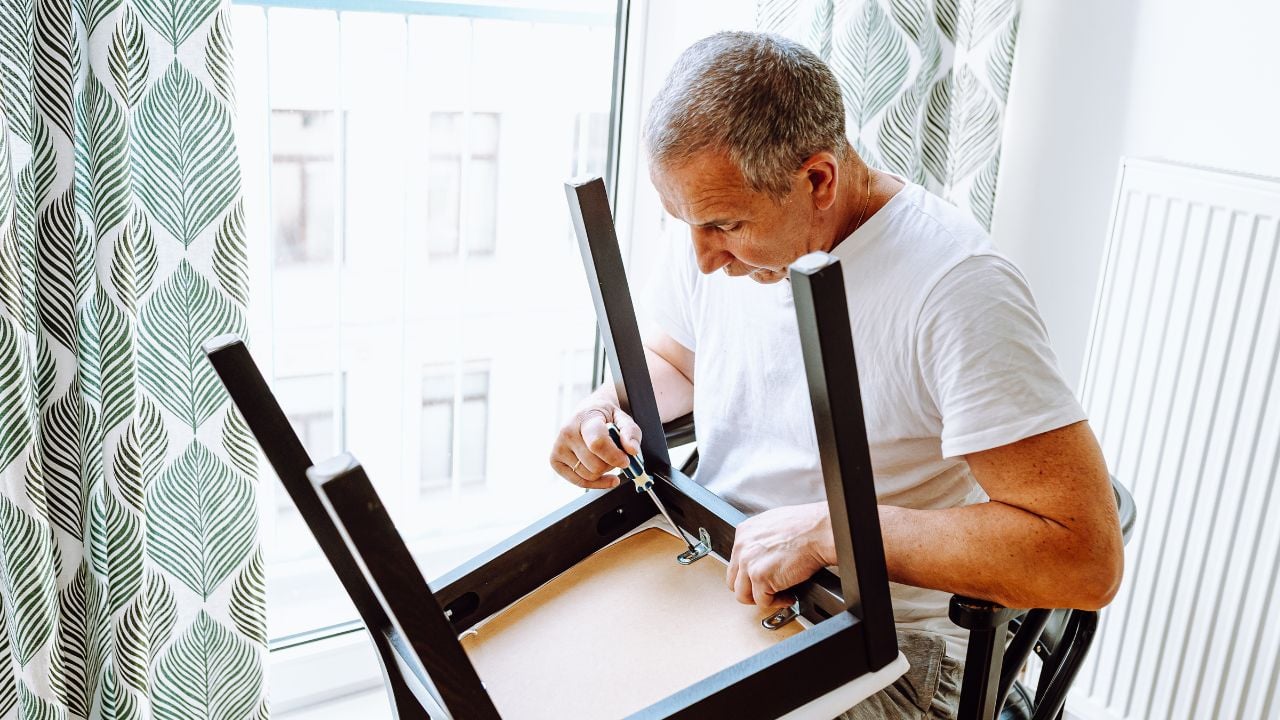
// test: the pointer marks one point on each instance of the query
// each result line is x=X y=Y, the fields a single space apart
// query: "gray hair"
x=767 y=101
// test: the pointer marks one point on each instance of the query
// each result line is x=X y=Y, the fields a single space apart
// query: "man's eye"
x=728 y=228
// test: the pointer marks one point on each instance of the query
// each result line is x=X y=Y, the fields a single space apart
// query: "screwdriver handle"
x=635 y=471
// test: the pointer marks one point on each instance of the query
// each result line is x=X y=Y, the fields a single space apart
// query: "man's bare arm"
x=583 y=452
x=1049 y=537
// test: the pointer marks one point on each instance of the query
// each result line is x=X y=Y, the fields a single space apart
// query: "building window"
x=575 y=380
x=314 y=408
x=455 y=196
x=590 y=143
x=455 y=418
x=303 y=185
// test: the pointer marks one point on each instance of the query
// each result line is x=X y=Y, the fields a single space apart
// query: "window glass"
x=404 y=201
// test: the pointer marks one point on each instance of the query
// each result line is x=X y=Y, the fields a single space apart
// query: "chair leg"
x=978 y=690
x=1080 y=628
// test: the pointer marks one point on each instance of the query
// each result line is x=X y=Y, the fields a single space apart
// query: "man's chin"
x=765 y=276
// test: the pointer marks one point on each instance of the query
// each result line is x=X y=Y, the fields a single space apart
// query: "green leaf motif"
x=897 y=136
x=103 y=159
x=982 y=195
x=46 y=371
x=978 y=18
x=33 y=707
x=126 y=468
x=117 y=356
x=69 y=659
x=89 y=354
x=934 y=150
x=10 y=270
x=218 y=59
x=239 y=443
x=184 y=312
x=1000 y=58
x=175 y=20
x=230 y=259
x=264 y=711
x=208 y=672
x=139 y=456
x=57 y=238
x=145 y=259
x=184 y=155
x=117 y=702
x=249 y=600
x=820 y=27
x=975 y=126
x=201 y=520
x=912 y=16
x=128 y=58
x=93 y=12
x=775 y=16
x=874 y=60
x=123 y=271
x=26 y=549
x=119 y=538
x=947 y=13
x=33 y=482
x=55 y=62
x=8 y=676
x=133 y=647
x=162 y=613
x=16 y=412
x=60 y=439
x=17 y=27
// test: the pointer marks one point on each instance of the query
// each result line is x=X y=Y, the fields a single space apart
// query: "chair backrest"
x=284 y=451
x=419 y=626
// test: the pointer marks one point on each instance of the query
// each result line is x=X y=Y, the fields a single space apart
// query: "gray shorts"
x=930 y=689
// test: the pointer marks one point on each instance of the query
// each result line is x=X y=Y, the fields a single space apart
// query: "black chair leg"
x=979 y=689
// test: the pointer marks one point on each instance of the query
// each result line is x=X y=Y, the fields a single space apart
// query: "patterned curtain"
x=924 y=83
x=130 y=571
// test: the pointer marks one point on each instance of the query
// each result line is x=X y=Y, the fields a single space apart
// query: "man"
x=989 y=481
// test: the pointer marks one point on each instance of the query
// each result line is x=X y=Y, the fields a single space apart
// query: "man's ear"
x=822 y=172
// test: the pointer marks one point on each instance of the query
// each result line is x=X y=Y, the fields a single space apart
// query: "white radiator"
x=1181 y=386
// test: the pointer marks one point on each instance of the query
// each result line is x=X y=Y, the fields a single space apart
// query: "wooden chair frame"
x=415 y=626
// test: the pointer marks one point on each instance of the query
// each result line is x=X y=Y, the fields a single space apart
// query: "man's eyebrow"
x=714 y=223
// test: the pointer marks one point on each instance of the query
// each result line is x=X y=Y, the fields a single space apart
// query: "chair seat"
x=1018 y=706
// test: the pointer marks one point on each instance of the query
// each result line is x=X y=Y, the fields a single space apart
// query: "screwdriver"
x=635 y=472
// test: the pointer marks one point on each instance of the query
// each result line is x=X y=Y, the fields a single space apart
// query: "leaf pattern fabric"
x=924 y=84
x=131 y=572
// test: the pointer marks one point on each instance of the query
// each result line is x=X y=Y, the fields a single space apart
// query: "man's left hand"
x=778 y=549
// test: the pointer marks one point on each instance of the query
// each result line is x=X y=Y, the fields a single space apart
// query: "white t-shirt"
x=952 y=359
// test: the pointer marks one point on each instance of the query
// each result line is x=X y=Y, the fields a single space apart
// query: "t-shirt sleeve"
x=985 y=360
x=667 y=302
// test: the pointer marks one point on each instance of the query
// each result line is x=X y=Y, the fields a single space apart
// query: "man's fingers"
x=595 y=437
x=742 y=589
x=629 y=431
x=731 y=575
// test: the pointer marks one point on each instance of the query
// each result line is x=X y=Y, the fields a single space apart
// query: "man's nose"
x=711 y=255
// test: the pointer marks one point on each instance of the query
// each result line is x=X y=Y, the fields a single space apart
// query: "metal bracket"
x=782 y=617
x=696 y=552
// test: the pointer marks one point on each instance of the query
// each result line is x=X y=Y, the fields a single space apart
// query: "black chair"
x=1060 y=638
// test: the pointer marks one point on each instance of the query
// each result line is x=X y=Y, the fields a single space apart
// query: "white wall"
x=1094 y=80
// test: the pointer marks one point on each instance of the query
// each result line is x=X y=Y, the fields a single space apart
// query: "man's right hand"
x=583 y=452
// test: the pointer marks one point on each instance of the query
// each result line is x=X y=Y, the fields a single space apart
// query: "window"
x=590 y=144
x=302 y=185
x=463 y=190
x=575 y=381
x=312 y=405
x=454 y=410
x=395 y=142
